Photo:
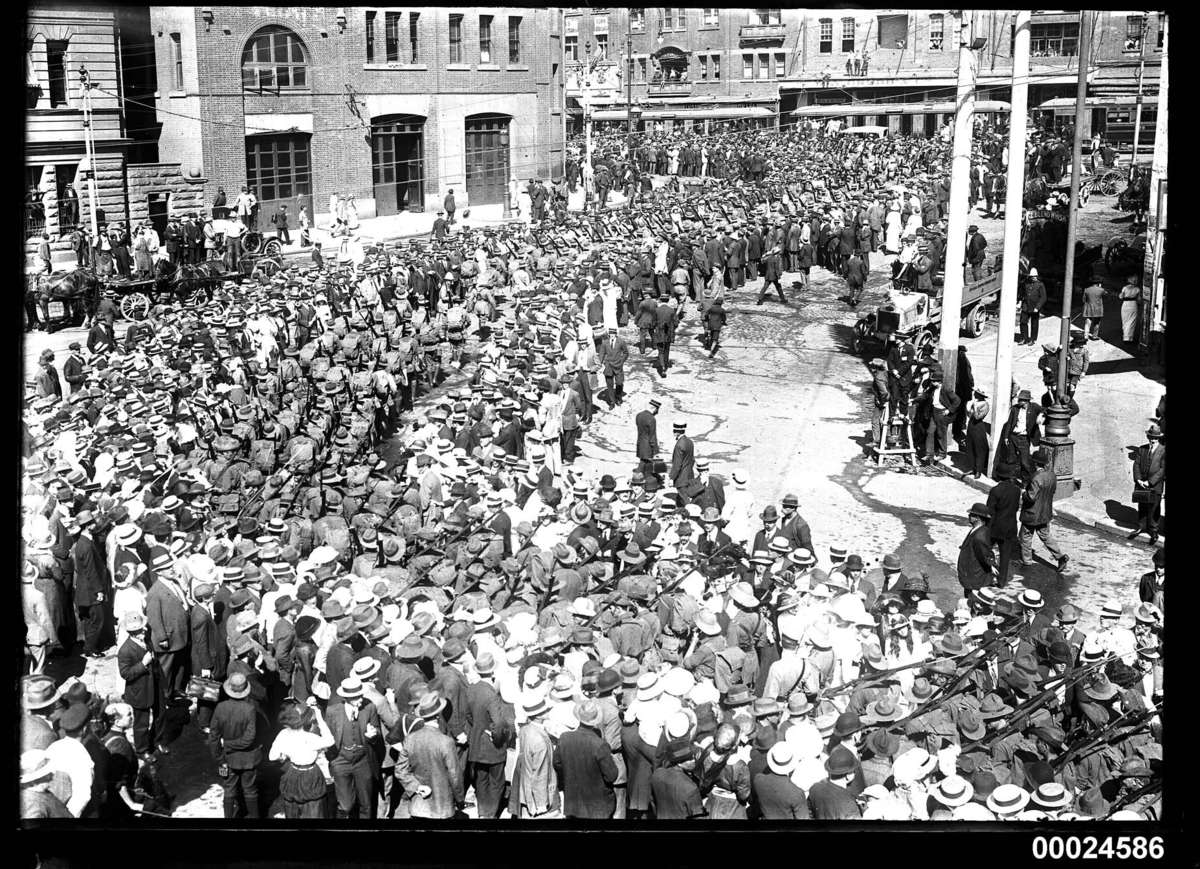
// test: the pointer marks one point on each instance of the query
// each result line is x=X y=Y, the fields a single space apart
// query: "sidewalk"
x=1117 y=398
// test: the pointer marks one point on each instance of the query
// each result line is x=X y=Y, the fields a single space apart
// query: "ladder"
x=896 y=431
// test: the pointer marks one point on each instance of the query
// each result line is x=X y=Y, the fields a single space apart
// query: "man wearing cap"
x=647 y=437
x=682 y=470
x=1149 y=481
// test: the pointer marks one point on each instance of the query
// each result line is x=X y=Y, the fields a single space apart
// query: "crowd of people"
x=336 y=522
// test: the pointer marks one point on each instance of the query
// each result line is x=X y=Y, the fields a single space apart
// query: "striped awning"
x=1098 y=102
x=840 y=110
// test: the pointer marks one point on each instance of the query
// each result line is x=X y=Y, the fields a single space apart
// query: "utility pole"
x=1137 y=118
x=960 y=180
x=85 y=81
x=1010 y=273
x=1154 y=290
x=1085 y=52
x=629 y=80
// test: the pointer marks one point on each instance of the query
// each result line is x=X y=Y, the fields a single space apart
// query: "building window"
x=1162 y=29
x=847 y=35
x=893 y=31
x=1135 y=25
x=485 y=39
x=825 y=45
x=514 y=39
x=370 y=37
x=274 y=59
x=937 y=31
x=176 y=61
x=702 y=62
x=780 y=65
x=641 y=69
x=414 y=28
x=673 y=19
x=56 y=60
x=716 y=67
x=278 y=168
x=637 y=20
x=456 y=32
x=764 y=66
x=1054 y=40
x=767 y=16
x=602 y=46
x=747 y=66
x=711 y=17
x=571 y=47
x=391 y=36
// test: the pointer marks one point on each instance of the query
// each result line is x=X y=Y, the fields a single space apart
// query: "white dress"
x=892 y=236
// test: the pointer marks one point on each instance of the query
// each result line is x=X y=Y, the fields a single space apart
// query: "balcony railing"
x=670 y=89
x=762 y=32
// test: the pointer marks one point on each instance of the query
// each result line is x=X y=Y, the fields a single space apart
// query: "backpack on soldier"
x=262 y=455
x=733 y=658
x=319 y=367
x=307 y=354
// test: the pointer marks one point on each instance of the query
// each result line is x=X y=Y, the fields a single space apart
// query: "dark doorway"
x=931 y=125
x=398 y=163
x=486 y=158
x=906 y=124
x=158 y=212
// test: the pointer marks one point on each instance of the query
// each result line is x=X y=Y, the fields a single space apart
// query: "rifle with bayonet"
x=1136 y=719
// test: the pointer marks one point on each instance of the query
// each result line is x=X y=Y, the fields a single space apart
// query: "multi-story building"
x=691 y=65
x=113 y=43
x=392 y=106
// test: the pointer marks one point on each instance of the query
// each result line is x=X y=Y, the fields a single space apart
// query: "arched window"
x=274 y=58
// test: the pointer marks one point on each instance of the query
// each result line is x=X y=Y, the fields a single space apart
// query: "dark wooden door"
x=486 y=158
x=397 y=162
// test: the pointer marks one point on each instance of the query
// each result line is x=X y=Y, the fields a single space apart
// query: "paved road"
x=785 y=400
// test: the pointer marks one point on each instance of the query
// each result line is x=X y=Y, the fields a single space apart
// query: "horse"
x=78 y=290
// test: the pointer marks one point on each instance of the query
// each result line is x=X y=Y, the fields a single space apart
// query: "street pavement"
x=785 y=399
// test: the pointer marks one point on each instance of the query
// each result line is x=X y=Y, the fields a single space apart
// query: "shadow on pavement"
x=1122 y=514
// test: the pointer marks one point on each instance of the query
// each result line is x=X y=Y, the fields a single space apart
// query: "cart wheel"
x=975 y=320
x=925 y=339
x=273 y=247
x=135 y=306
x=268 y=266
x=1085 y=191
x=1116 y=249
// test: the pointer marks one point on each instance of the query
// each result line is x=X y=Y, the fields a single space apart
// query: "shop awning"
x=841 y=110
x=718 y=113
x=1098 y=102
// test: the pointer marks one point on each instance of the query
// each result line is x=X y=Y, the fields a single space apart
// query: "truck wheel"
x=974 y=320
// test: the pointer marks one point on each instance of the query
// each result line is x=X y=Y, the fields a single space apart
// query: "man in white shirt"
x=68 y=756
x=233 y=242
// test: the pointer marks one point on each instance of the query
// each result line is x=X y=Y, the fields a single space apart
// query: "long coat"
x=647 y=435
x=167 y=616
x=975 y=560
x=1004 y=500
x=1150 y=465
x=1038 y=503
x=586 y=771
x=483 y=718
x=683 y=462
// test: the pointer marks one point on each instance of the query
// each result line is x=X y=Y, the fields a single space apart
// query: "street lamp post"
x=585 y=76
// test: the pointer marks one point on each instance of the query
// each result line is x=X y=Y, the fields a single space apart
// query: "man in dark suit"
x=754 y=251
x=830 y=799
x=647 y=437
x=136 y=665
x=1004 y=500
x=792 y=524
x=772 y=273
x=856 y=277
x=1150 y=586
x=612 y=355
x=1037 y=512
x=451 y=684
x=1021 y=433
x=510 y=438
x=683 y=458
x=774 y=796
x=91 y=584
x=664 y=333
x=484 y=716
x=1149 y=478
x=584 y=766
x=976 y=565
x=710 y=490
x=170 y=629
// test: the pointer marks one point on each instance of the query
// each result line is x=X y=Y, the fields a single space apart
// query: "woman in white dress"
x=1130 y=294
x=891 y=241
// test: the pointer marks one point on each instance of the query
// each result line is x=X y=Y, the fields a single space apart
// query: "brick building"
x=112 y=42
x=391 y=106
x=698 y=67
